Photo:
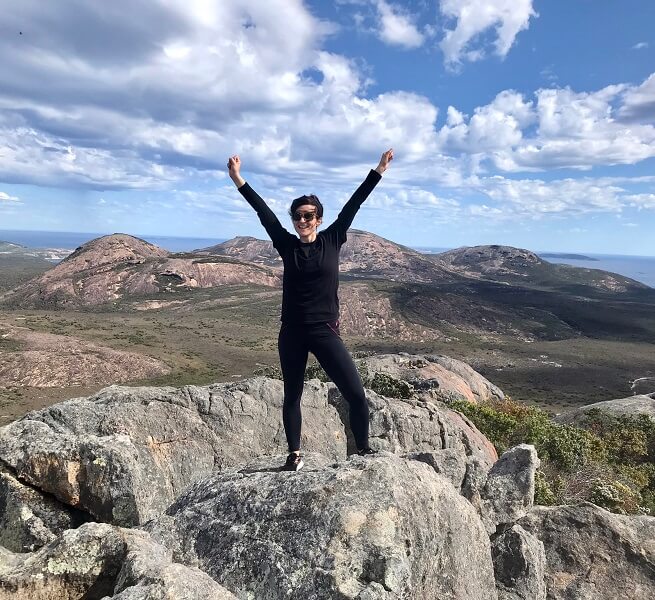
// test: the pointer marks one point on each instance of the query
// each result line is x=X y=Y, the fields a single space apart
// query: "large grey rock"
x=402 y=426
x=434 y=377
x=519 y=564
x=102 y=561
x=501 y=493
x=147 y=573
x=467 y=473
x=81 y=563
x=450 y=463
x=508 y=493
x=643 y=404
x=369 y=528
x=30 y=519
x=125 y=454
x=592 y=554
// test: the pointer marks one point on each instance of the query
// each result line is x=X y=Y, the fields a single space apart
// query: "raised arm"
x=348 y=212
x=271 y=223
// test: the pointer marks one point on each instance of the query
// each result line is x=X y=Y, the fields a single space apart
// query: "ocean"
x=71 y=239
x=640 y=268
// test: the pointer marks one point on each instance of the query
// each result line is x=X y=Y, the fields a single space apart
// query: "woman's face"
x=308 y=224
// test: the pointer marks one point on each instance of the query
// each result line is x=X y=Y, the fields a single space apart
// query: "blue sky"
x=522 y=122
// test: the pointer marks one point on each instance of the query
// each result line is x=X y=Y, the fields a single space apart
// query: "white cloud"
x=38 y=158
x=4 y=197
x=496 y=126
x=536 y=198
x=397 y=28
x=580 y=130
x=640 y=46
x=475 y=17
x=639 y=102
x=561 y=129
x=413 y=199
x=641 y=200
x=203 y=80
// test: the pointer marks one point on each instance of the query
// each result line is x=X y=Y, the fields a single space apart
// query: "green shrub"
x=274 y=372
x=544 y=492
x=496 y=424
x=389 y=386
x=615 y=496
x=315 y=371
x=607 y=459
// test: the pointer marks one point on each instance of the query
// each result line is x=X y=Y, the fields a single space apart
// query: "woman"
x=310 y=305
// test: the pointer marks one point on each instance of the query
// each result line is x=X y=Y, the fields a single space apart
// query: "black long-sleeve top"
x=311 y=270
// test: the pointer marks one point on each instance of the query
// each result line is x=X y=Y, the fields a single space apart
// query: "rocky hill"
x=247 y=249
x=640 y=404
x=518 y=266
x=144 y=493
x=113 y=267
x=364 y=255
x=367 y=255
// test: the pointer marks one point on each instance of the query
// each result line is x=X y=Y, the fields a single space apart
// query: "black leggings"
x=323 y=341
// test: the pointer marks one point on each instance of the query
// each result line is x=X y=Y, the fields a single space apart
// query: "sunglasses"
x=308 y=216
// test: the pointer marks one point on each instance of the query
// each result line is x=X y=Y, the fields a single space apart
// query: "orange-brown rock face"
x=114 y=267
x=368 y=254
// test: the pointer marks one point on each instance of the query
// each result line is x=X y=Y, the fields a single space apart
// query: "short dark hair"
x=312 y=200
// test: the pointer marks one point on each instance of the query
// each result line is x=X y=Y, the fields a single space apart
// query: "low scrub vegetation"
x=605 y=459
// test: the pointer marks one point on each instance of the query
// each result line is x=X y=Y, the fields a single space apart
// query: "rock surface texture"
x=508 y=493
x=125 y=454
x=592 y=554
x=101 y=561
x=520 y=565
x=30 y=519
x=195 y=471
x=382 y=527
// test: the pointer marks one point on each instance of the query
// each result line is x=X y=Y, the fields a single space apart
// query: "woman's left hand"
x=385 y=159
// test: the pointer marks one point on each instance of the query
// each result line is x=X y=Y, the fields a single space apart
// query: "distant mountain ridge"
x=366 y=255
x=363 y=255
x=387 y=291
